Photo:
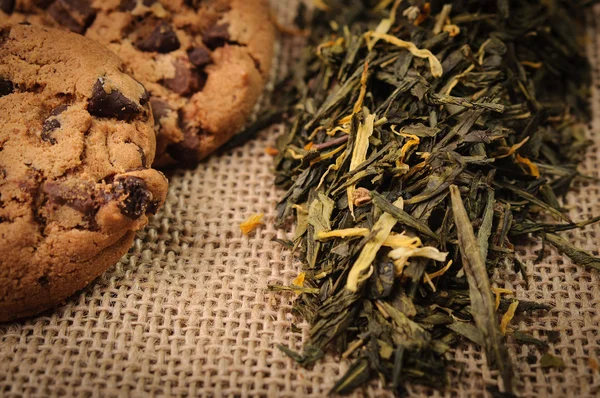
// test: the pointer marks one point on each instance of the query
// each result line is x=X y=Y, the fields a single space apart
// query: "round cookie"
x=204 y=62
x=77 y=140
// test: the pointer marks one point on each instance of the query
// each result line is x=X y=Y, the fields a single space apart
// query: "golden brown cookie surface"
x=76 y=145
x=204 y=62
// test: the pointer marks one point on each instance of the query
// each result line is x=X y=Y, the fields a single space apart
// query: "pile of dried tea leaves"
x=428 y=139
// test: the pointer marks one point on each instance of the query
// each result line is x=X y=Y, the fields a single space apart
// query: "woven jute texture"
x=187 y=312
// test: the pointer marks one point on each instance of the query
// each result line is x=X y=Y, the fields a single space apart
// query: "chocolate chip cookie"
x=77 y=140
x=204 y=62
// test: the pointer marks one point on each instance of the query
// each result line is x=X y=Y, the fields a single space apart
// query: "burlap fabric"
x=187 y=312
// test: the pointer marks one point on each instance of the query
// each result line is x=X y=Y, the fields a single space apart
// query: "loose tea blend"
x=427 y=140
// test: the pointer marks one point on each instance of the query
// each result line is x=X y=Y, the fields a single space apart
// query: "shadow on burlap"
x=187 y=312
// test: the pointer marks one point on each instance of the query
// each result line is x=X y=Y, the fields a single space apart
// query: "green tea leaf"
x=482 y=301
x=468 y=331
x=402 y=217
x=357 y=375
x=579 y=257
x=550 y=361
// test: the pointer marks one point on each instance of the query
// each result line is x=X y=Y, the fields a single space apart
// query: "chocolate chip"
x=78 y=195
x=142 y=156
x=112 y=104
x=256 y=63
x=193 y=3
x=43 y=280
x=58 y=110
x=217 y=36
x=153 y=207
x=145 y=97
x=199 y=56
x=141 y=152
x=160 y=38
x=48 y=128
x=185 y=80
x=201 y=77
x=160 y=108
x=134 y=197
x=51 y=124
x=42 y=3
x=6 y=87
x=219 y=7
x=186 y=152
x=75 y=15
x=129 y=5
x=7 y=6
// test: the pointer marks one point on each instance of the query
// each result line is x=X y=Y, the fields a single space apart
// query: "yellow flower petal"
x=508 y=316
x=434 y=63
x=253 y=222
x=299 y=280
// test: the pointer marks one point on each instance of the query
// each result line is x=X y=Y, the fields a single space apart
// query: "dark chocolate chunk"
x=43 y=280
x=129 y=5
x=217 y=36
x=4 y=33
x=145 y=97
x=7 y=6
x=112 y=104
x=133 y=195
x=217 y=6
x=78 y=195
x=199 y=56
x=6 y=87
x=75 y=15
x=201 y=78
x=256 y=63
x=160 y=38
x=43 y=3
x=153 y=207
x=58 y=110
x=160 y=108
x=49 y=126
x=142 y=156
x=186 y=152
x=193 y=3
x=185 y=80
x=141 y=152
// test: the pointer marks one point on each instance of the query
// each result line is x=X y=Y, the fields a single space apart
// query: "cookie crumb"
x=361 y=196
